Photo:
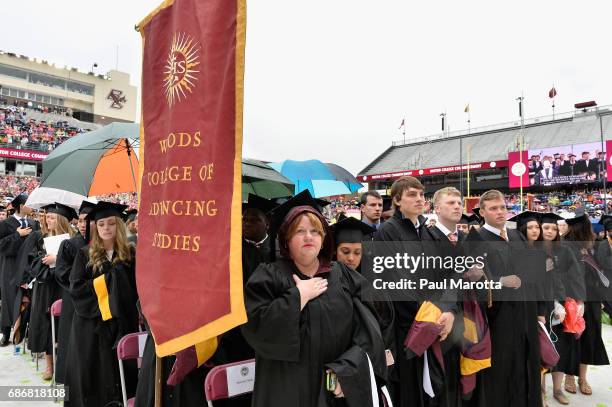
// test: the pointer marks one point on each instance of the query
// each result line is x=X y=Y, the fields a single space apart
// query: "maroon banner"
x=23 y=154
x=518 y=162
x=189 y=269
x=434 y=171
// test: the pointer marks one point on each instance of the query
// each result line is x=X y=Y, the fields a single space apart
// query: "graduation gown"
x=603 y=255
x=93 y=376
x=592 y=348
x=188 y=393
x=45 y=291
x=569 y=282
x=514 y=376
x=435 y=243
x=406 y=376
x=294 y=348
x=10 y=245
x=63 y=265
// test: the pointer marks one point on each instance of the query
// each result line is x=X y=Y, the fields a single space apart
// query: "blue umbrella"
x=319 y=178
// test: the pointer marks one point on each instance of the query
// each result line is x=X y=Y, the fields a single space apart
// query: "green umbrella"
x=260 y=179
x=99 y=162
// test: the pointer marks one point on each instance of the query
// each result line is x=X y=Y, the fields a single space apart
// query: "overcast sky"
x=332 y=79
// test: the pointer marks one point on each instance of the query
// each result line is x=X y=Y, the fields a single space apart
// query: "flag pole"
x=554 y=93
x=404 y=128
x=521 y=142
x=469 y=149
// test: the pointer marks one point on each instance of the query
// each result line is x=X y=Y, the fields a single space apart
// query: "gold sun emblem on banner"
x=180 y=73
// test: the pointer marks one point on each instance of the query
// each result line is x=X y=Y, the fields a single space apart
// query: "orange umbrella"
x=103 y=161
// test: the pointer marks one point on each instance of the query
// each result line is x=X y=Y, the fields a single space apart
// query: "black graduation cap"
x=476 y=211
x=387 y=203
x=606 y=221
x=86 y=207
x=257 y=202
x=2 y=207
x=64 y=210
x=473 y=219
x=130 y=215
x=525 y=217
x=572 y=155
x=19 y=200
x=465 y=219
x=550 y=217
x=304 y=198
x=47 y=207
x=580 y=217
x=105 y=209
x=350 y=230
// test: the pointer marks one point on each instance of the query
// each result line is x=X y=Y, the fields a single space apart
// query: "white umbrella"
x=42 y=196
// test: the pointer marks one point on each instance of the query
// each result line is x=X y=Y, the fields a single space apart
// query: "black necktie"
x=23 y=223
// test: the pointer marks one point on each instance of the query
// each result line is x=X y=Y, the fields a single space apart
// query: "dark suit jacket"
x=569 y=169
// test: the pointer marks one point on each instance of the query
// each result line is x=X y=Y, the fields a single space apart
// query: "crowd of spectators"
x=20 y=132
x=11 y=186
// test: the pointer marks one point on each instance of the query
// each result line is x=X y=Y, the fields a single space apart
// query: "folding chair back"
x=216 y=382
x=130 y=346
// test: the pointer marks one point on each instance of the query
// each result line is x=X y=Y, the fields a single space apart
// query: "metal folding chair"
x=130 y=346
x=56 y=311
x=215 y=384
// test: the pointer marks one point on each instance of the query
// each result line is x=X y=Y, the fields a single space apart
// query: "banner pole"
x=158 y=390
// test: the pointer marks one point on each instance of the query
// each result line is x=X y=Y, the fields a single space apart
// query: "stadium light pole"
x=605 y=164
x=521 y=143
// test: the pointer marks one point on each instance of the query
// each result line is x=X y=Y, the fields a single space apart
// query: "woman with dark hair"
x=581 y=240
x=568 y=282
x=316 y=343
x=349 y=233
x=529 y=224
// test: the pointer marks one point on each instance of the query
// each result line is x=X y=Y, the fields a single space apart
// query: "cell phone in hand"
x=331 y=381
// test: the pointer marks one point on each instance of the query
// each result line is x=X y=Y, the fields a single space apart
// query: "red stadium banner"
x=518 y=161
x=434 y=171
x=609 y=160
x=189 y=268
x=23 y=154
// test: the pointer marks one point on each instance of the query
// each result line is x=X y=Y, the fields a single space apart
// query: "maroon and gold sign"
x=117 y=99
x=189 y=270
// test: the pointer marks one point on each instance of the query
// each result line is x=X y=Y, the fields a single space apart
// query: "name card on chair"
x=240 y=379
x=142 y=340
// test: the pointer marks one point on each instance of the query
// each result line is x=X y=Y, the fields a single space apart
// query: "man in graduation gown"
x=514 y=376
x=444 y=240
x=407 y=225
x=13 y=233
x=255 y=250
x=65 y=258
x=255 y=225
